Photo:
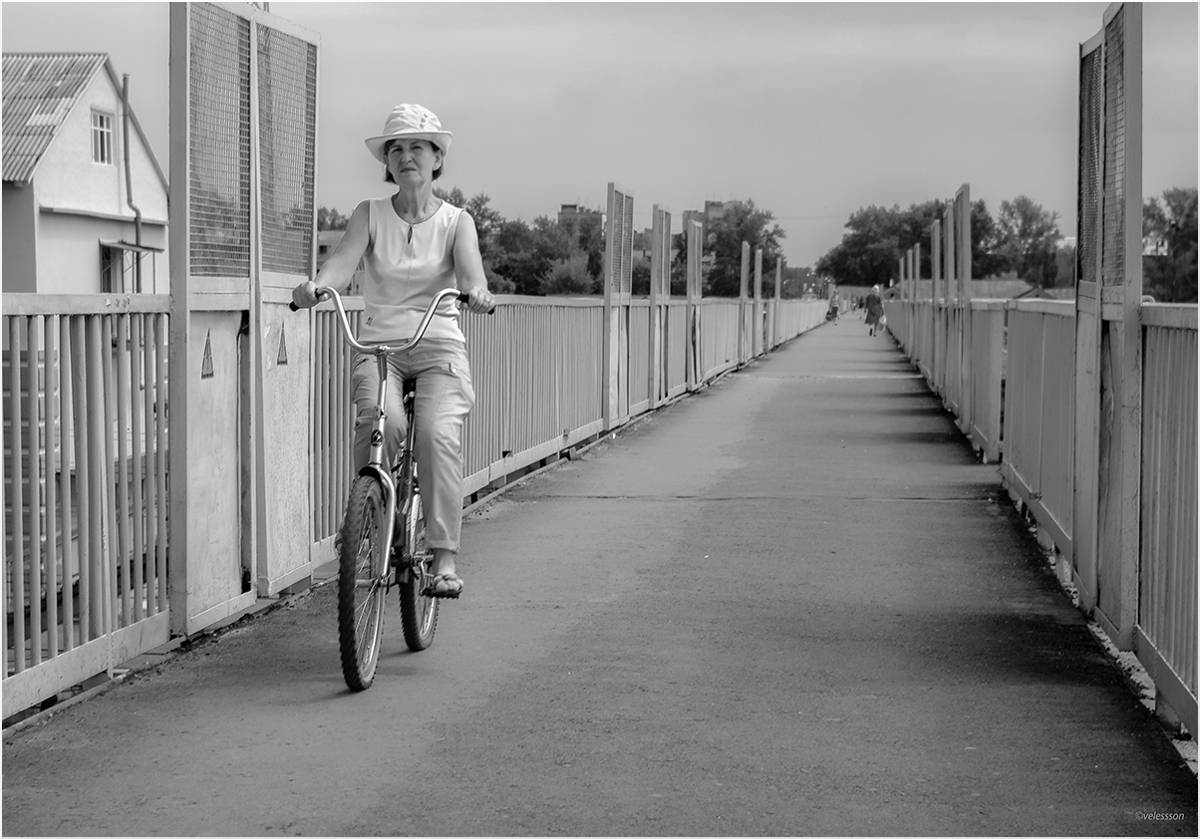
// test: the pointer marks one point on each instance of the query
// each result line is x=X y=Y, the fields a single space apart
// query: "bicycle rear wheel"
x=362 y=583
x=418 y=613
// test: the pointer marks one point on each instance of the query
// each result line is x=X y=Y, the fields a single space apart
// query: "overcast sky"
x=811 y=110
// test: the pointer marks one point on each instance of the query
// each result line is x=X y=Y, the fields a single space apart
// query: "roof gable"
x=40 y=89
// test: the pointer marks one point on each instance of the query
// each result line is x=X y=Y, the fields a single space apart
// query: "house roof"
x=39 y=91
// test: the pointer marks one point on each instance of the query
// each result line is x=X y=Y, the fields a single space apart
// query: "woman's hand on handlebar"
x=480 y=300
x=304 y=296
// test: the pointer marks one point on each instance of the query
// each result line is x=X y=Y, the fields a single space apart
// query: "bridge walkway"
x=792 y=604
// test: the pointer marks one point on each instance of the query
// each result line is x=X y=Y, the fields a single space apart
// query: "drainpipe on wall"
x=137 y=214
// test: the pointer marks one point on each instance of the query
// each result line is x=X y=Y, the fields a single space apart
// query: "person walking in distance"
x=413 y=245
x=874 y=309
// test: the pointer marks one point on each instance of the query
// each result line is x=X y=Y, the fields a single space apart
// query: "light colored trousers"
x=444 y=396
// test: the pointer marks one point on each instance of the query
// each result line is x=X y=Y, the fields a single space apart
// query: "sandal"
x=444 y=585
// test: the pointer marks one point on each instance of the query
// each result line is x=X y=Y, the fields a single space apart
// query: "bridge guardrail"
x=1022 y=377
x=87 y=560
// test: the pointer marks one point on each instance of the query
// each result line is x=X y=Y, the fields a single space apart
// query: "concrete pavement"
x=793 y=604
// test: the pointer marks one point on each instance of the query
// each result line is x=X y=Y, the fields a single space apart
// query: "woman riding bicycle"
x=414 y=244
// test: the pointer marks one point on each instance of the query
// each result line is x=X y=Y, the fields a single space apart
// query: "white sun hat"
x=410 y=122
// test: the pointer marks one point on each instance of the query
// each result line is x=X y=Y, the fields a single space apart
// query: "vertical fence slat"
x=33 y=414
x=83 y=472
x=113 y=549
x=149 y=496
x=97 y=450
x=69 y=495
x=137 y=466
x=121 y=396
x=161 y=328
x=53 y=469
x=16 y=564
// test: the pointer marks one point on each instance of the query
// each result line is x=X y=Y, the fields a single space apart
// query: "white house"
x=83 y=214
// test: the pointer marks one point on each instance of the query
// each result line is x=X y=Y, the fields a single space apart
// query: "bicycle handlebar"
x=329 y=293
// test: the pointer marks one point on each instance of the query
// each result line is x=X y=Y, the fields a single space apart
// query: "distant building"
x=569 y=213
x=715 y=209
x=70 y=226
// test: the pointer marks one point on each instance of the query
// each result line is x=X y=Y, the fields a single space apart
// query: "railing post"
x=742 y=303
x=617 y=283
x=935 y=292
x=906 y=303
x=757 y=330
x=778 y=297
x=660 y=295
x=963 y=230
x=910 y=302
x=918 y=331
x=180 y=343
x=695 y=252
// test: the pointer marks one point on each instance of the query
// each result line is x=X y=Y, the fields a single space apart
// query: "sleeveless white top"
x=406 y=265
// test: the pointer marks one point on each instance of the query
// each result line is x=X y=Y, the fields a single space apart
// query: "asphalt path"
x=792 y=604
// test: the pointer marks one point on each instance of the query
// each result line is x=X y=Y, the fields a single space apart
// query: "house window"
x=102 y=138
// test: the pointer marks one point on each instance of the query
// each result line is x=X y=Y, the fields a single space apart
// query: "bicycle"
x=374 y=553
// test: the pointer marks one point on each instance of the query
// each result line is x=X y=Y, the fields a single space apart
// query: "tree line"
x=1022 y=242
x=551 y=257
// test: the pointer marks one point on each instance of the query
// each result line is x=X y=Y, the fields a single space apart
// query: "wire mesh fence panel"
x=664 y=254
x=219 y=139
x=620 y=244
x=1090 y=109
x=287 y=104
x=1113 y=266
x=626 y=277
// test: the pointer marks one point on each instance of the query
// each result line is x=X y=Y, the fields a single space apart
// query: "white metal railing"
x=1021 y=376
x=538 y=383
x=675 y=349
x=1165 y=634
x=719 y=351
x=87 y=567
x=85 y=583
x=1039 y=415
x=987 y=352
x=939 y=358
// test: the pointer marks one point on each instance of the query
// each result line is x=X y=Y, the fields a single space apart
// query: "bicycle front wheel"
x=362 y=582
x=418 y=612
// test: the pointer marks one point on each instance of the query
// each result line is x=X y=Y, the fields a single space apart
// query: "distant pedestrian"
x=874 y=309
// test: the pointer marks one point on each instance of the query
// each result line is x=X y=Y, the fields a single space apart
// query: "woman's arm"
x=339 y=269
x=468 y=264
